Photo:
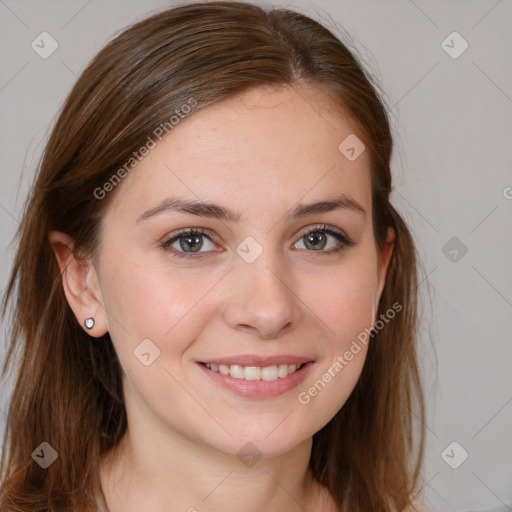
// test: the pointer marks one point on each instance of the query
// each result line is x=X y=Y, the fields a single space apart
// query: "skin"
x=259 y=153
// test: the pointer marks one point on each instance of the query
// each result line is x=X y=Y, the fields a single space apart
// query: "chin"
x=262 y=442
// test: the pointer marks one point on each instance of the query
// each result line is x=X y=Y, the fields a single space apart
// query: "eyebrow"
x=217 y=211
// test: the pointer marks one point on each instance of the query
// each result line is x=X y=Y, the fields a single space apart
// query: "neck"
x=153 y=473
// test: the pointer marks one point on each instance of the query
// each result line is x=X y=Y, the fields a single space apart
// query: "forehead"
x=256 y=150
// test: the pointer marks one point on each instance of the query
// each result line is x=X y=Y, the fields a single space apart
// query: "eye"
x=189 y=243
x=316 y=238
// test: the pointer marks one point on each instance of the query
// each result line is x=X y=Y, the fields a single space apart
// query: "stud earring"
x=89 y=323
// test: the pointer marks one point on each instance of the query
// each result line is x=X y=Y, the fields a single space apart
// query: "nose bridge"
x=260 y=295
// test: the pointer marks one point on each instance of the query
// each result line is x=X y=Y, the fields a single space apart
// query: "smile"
x=267 y=373
x=270 y=380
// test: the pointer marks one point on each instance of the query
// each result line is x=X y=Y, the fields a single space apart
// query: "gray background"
x=452 y=166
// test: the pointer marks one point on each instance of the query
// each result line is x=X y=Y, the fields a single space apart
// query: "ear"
x=384 y=260
x=80 y=283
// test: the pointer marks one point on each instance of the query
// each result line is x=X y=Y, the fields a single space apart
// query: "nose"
x=262 y=300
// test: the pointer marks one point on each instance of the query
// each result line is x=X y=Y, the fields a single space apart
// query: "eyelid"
x=343 y=239
x=328 y=229
x=187 y=231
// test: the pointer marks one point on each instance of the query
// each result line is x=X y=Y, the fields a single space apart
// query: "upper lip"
x=253 y=360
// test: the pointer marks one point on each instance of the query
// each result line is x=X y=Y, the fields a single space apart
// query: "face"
x=268 y=285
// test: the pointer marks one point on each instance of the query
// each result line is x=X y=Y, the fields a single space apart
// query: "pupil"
x=190 y=241
x=314 y=238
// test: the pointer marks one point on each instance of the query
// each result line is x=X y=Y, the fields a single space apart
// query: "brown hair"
x=68 y=391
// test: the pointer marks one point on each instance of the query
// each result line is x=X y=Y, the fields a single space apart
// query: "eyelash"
x=339 y=235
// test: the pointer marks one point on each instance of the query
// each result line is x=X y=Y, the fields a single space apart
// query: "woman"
x=214 y=299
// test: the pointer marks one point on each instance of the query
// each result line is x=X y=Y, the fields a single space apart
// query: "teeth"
x=282 y=371
x=236 y=371
x=254 y=372
x=269 y=373
x=251 y=373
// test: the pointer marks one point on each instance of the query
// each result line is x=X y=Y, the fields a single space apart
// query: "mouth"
x=266 y=373
x=269 y=378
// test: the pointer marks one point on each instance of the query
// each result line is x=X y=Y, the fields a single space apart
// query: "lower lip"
x=259 y=389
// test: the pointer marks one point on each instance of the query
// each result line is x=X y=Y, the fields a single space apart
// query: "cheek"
x=344 y=298
x=170 y=309
x=344 y=301
x=147 y=299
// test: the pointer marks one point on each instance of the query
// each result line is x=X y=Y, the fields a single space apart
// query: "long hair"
x=67 y=390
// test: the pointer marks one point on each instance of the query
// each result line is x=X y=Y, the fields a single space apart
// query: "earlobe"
x=80 y=284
